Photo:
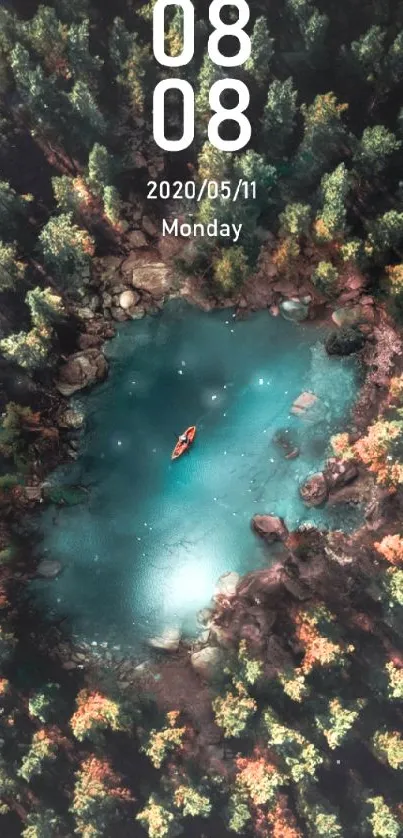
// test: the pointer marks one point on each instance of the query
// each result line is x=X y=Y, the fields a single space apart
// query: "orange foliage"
x=283 y=821
x=374 y=451
x=341 y=445
x=94 y=710
x=4 y=686
x=321 y=231
x=391 y=548
x=319 y=651
x=253 y=775
x=97 y=779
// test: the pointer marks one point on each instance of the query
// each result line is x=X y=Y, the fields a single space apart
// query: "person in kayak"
x=183 y=438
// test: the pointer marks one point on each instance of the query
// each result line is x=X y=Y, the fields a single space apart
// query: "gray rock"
x=82 y=369
x=73 y=419
x=154 y=278
x=209 y=662
x=270 y=527
x=128 y=299
x=168 y=641
x=308 y=407
x=315 y=491
x=48 y=569
x=204 y=616
x=137 y=239
x=347 y=316
x=294 y=310
x=148 y=226
x=33 y=493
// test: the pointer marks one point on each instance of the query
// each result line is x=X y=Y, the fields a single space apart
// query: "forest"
x=300 y=733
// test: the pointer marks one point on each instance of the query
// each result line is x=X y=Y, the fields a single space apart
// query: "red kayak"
x=184 y=442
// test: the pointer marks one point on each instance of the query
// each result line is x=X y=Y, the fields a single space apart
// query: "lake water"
x=146 y=550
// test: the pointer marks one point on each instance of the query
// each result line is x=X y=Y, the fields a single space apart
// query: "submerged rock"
x=82 y=369
x=209 y=662
x=204 y=616
x=294 y=310
x=345 y=342
x=315 y=491
x=270 y=527
x=309 y=407
x=48 y=569
x=168 y=641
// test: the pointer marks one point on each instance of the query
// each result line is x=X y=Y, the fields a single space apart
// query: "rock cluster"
x=81 y=370
x=270 y=527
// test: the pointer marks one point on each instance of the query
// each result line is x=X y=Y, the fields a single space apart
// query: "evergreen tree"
x=377 y=144
x=324 y=134
x=112 y=204
x=11 y=270
x=66 y=249
x=13 y=208
x=330 y=222
x=295 y=220
x=99 y=168
x=258 y=63
x=279 y=117
x=368 y=53
x=385 y=233
x=78 y=49
x=28 y=349
x=45 y=306
x=90 y=121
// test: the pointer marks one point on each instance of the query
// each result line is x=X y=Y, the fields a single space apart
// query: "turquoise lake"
x=146 y=550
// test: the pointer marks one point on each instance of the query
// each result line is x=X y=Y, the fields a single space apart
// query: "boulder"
x=137 y=239
x=308 y=407
x=346 y=341
x=339 y=473
x=204 y=616
x=227 y=584
x=153 y=278
x=314 y=492
x=48 y=569
x=270 y=527
x=347 y=316
x=294 y=310
x=71 y=419
x=148 y=226
x=168 y=641
x=83 y=369
x=209 y=662
x=33 y=493
x=128 y=299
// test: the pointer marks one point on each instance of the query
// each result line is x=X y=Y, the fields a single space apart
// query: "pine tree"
x=279 y=117
x=385 y=233
x=66 y=249
x=295 y=220
x=11 y=270
x=13 y=208
x=90 y=121
x=99 y=168
x=324 y=134
x=369 y=52
x=112 y=204
x=81 y=61
x=28 y=349
x=377 y=144
x=330 y=222
x=45 y=306
x=258 y=63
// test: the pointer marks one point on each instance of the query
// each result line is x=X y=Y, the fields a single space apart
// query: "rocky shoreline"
x=139 y=283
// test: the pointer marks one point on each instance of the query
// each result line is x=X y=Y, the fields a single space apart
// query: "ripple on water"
x=147 y=549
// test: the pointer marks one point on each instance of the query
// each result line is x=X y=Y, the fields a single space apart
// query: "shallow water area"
x=144 y=553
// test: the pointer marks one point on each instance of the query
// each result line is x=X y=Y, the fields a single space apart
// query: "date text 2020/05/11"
x=225 y=190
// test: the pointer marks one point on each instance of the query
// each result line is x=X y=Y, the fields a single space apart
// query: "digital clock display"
x=219 y=112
